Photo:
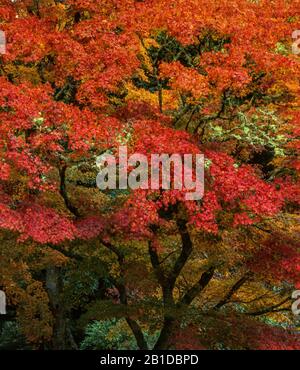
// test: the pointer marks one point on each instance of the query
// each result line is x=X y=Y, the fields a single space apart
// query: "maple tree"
x=80 y=78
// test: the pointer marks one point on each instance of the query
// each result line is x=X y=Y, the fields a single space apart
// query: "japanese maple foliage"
x=81 y=78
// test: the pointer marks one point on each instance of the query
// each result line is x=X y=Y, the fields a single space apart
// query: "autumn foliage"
x=80 y=78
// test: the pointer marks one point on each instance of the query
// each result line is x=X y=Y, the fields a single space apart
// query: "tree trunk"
x=167 y=334
x=62 y=338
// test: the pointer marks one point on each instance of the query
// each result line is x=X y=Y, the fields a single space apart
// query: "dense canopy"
x=146 y=268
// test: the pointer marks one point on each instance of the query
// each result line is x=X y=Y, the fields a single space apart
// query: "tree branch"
x=63 y=191
x=165 y=258
x=269 y=309
x=156 y=265
x=134 y=326
x=197 y=288
x=187 y=248
x=231 y=292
